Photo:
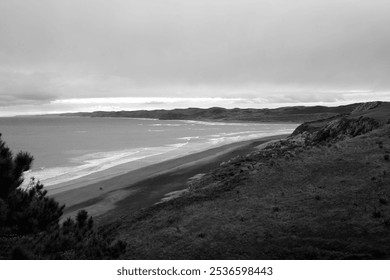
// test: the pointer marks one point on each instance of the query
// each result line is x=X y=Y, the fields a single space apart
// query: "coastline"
x=146 y=186
x=100 y=148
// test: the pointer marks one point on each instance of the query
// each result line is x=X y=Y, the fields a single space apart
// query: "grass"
x=317 y=203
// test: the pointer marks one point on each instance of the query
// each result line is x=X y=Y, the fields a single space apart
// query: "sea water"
x=69 y=148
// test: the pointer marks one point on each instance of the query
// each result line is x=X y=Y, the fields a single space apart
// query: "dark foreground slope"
x=285 y=114
x=306 y=197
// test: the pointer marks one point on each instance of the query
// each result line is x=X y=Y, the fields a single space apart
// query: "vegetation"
x=321 y=194
x=288 y=202
x=30 y=221
x=296 y=114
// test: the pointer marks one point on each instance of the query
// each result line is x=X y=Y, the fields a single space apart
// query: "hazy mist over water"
x=70 y=148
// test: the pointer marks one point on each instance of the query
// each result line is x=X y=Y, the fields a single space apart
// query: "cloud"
x=25 y=99
x=266 y=51
x=24 y=87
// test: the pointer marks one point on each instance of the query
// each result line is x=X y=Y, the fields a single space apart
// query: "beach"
x=137 y=189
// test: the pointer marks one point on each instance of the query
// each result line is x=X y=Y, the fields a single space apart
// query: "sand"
x=148 y=185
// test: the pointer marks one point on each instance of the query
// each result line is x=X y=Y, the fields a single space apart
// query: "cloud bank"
x=259 y=51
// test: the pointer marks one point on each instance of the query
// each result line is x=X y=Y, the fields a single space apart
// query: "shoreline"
x=147 y=185
x=79 y=168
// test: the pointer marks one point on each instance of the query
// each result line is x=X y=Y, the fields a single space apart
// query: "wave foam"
x=95 y=162
x=91 y=163
x=219 y=123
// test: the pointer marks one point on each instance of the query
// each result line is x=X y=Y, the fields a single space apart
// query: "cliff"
x=364 y=118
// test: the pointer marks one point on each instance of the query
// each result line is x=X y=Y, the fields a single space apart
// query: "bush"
x=29 y=220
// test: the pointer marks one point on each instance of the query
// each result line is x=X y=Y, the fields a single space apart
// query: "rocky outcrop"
x=342 y=128
x=333 y=130
x=365 y=107
x=313 y=126
x=360 y=121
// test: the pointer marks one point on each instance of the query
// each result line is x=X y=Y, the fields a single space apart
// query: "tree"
x=30 y=221
x=28 y=210
x=11 y=169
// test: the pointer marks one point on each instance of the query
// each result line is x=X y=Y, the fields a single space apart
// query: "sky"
x=86 y=55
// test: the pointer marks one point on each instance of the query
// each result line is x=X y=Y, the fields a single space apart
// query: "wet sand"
x=146 y=186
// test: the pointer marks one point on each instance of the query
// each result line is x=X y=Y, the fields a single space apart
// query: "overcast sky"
x=73 y=55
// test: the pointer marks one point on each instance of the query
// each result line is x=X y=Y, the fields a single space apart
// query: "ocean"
x=76 y=148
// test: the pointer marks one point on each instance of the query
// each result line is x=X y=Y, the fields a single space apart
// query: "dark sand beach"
x=146 y=186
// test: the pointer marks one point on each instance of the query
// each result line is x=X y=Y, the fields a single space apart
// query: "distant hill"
x=284 y=114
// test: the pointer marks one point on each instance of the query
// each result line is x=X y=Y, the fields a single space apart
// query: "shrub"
x=29 y=220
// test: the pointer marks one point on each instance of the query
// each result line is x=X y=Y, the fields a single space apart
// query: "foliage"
x=30 y=220
x=23 y=211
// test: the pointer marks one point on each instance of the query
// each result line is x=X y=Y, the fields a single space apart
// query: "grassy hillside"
x=284 y=114
x=300 y=198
